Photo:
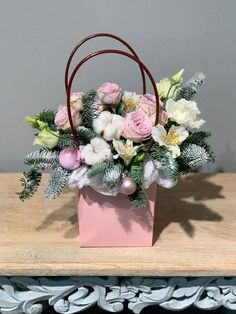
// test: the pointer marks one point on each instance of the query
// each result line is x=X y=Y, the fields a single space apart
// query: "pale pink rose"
x=163 y=117
x=76 y=99
x=109 y=93
x=147 y=103
x=137 y=126
x=62 y=119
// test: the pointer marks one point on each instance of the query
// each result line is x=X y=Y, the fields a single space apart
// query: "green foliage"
x=158 y=152
x=58 y=179
x=48 y=116
x=112 y=175
x=138 y=198
x=98 y=168
x=85 y=135
x=194 y=155
x=65 y=140
x=42 y=159
x=90 y=111
x=189 y=89
x=30 y=184
x=196 y=138
x=136 y=173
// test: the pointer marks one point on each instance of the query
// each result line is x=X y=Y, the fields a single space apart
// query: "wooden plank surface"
x=195 y=233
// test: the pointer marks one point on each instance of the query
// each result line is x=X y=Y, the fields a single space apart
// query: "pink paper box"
x=113 y=221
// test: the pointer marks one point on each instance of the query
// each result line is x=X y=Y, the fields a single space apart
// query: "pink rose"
x=147 y=103
x=109 y=93
x=62 y=119
x=76 y=99
x=137 y=126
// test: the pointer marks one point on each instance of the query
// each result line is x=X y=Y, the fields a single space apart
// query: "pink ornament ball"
x=128 y=186
x=69 y=158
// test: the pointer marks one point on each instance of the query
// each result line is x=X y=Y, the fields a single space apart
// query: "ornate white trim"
x=75 y=294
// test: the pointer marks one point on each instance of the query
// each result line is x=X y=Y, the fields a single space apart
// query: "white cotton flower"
x=130 y=101
x=184 y=112
x=97 y=151
x=175 y=136
x=155 y=172
x=108 y=125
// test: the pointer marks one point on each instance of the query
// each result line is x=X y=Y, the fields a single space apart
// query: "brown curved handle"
x=100 y=52
x=102 y=35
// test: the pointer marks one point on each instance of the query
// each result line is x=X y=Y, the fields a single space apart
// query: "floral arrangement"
x=121 y=149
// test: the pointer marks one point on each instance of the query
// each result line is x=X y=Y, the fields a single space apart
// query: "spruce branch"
x=138 y=198
x=65 y=140
x=58 y=179
x=136 y=173
x=196 y=138
x=98 y=168
x=90 y=111
x=112 y=176
x=30 y=183
x=48 y=116
x=194 y=156
x=189 y=89
x=84 y=134
x=42 y=159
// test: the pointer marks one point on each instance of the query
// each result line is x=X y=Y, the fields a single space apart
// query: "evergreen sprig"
x=90 y=110
x=196 y=138
x=48 y=116
x=58 y=179
x=30 y=183
x=65 y=140
x=194 y=156
x=98 y=168
x=136 y=173
x=84 y=134
x=42 y=159
x=112 y=176
x=189 y=89
x=138 y=198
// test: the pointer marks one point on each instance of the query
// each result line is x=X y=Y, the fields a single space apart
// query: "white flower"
x=97 y=151
x=155 y=172
x=184 y=112
x=130 y=101
x=125 y=151
x=172 y=139
x=108 y=125
x=78 y=177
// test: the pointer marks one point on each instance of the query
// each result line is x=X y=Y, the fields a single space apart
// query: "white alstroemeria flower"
x=184 y=112
x=172 y=139
x=130 y=101
x=126 y=151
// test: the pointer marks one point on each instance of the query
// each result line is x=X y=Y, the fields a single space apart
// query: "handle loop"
x=100 y=52
x=102 y=35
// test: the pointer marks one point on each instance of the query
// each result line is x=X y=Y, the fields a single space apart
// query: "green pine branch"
x=112 y=175
x=65 y=140
x=58 y=179
x=42 y=159
x=138 y=199
x=136 y=173
x=98 y=168
x=48 y=116
x=30 y=183
x=85 y=135
x=194 y=156
x=90 y=110
x=190 y=88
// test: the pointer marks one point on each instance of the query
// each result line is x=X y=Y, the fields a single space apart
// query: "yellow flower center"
x=172 y=138
x=128 y=149
x=129 y=105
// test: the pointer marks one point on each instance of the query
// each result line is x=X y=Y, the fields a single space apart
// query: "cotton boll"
x=97 y=151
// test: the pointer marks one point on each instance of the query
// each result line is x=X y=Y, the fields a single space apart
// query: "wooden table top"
x=195 y=234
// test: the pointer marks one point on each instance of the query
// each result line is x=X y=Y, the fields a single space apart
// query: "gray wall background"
x=37 y=37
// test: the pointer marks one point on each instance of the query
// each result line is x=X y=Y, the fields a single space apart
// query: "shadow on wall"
x=196 y=187
x=226 y=159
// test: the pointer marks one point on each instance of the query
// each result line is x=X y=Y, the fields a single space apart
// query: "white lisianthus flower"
x=125 y=151
x=108 y=125
x=130 y=101
x=175 y=136
x=97 y=151
x=184 y=112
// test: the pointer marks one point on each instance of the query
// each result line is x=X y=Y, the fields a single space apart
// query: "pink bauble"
x=69 y=158
x=128 y=186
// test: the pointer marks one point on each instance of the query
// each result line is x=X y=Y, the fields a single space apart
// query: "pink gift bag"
x=113 y=221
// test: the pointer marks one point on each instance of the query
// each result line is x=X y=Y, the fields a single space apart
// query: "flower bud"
x=177 y=78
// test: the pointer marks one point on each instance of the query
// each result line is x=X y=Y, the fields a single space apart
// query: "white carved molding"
x=75 y=294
